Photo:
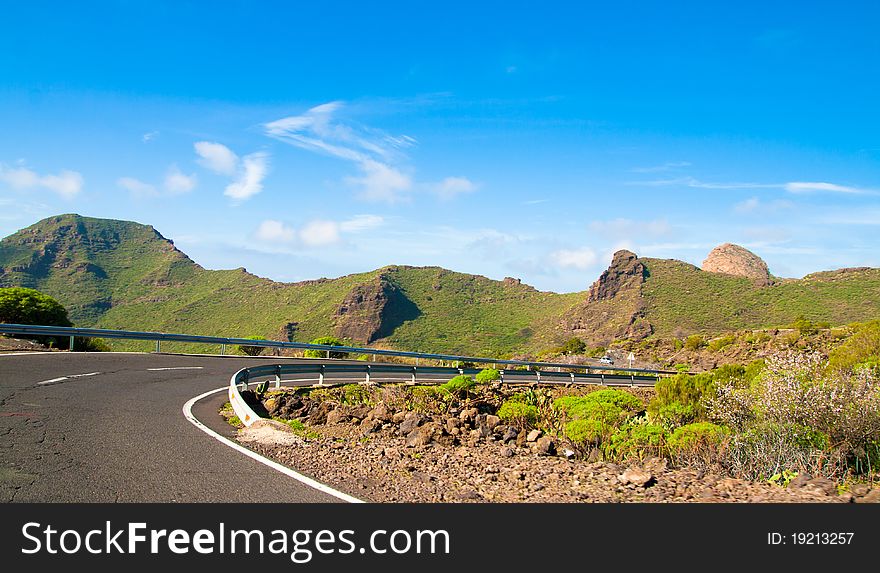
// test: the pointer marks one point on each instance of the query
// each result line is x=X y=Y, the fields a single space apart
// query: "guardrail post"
x=368 y=373
x=538 y=374
x=321 y=376
x=278 y=377
x=632 y=379
x=572 y=377
x=417 y=360
x=461 y=371
x=413 y=374
x=71 y=343
x=603 y=379
x=157 y=345
x=328 y=355
x=502 y=376
x=222 y=349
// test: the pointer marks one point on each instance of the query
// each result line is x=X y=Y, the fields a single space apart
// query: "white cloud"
x=452 y=187
x=812 y=186
x=216 y=157
x=376 y=154
x=250 y=178
x=66 y=183
x=315 y=233
x=177 y=182
x=755 y=205
x=581 y=259
x=272 y=231
x=149 y=136
x=136 y=187
x=623 y=228
x=319 y=233
x=360 y=223
x=381 y=182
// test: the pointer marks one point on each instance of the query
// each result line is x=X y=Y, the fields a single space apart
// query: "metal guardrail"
x=158 y=337
x=319 y=372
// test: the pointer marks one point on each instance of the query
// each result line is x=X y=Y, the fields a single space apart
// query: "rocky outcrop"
x=614 y=308
x=626 y=272
x=734 y=260
x=373 y=310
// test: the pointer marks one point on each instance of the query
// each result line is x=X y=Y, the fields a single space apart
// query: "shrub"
x=804 y=326
x=585 y=431
x=639 y=440
x=459 y=384
x=682 y=368
x=518 y=413
x=696 y=436
x=325 y=341
x=488 y=375
x=596 y=352
x=694 y=342
x=722 y=342
x=678 y=400
x=20 y=305
x=621 y=399
x=251 y=350
x=573 y=346
x=863 y=346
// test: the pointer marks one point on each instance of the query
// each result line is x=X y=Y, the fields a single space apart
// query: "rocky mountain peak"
x=626 y=271
x=734 y=260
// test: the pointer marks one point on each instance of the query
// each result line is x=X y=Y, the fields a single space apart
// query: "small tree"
x=28 y=306
x=574 y=346
x=325 y=341
x=251 y=350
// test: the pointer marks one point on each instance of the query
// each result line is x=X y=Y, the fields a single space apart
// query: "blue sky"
x=506 y=139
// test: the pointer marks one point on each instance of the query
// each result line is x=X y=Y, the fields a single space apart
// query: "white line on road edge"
x=63 y=378
x=187 y=412
x=176 y=368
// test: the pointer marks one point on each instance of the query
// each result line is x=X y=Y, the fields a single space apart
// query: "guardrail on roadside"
x=407 y=374
x=158 y=337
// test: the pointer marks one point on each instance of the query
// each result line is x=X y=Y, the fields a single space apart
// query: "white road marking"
x=63 y=378
x=176 y=368
x=187 y=412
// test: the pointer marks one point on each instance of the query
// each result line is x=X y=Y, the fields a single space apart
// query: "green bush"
x=249 y=349
x=682 y=368
x=459 y=384
x=325 y=341
x=597 y=352
x=804 y=326
x=722 y=342
x=28 y=306
x=488 y=375
x=862 y=347
x=639 y=440
x=678 y=399
x=694 y=342
x=518 y=413
x=693 y=437
x=573 y=346
x=585 y=431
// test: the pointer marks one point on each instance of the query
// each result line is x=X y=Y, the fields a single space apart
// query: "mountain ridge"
x=120 y=274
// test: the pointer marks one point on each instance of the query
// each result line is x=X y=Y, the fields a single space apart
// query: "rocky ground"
x=17 y=345
x=382 y=455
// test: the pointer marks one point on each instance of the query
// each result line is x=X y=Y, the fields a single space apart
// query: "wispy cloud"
x=819 y=186
x=452 y=187
x=581 y=259
x=625 y=228
x=755 y=205
x=668 y=166
x=137 y=188
x=374 y=152
x=314 y=233
x=249 y=181
x=65 y=183
x=791 y=186
x=149 y=136
x=177 y=182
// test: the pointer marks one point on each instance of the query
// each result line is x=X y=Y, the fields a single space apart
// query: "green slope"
x=124 y=275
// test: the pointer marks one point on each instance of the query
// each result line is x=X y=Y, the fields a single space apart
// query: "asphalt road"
x=108 y=427
x=120 y=435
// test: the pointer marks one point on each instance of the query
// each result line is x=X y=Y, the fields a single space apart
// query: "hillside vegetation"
x=119 y=274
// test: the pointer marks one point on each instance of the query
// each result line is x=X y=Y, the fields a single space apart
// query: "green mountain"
x=119 y=274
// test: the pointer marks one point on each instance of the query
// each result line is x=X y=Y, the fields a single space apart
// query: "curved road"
x=120 y=435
